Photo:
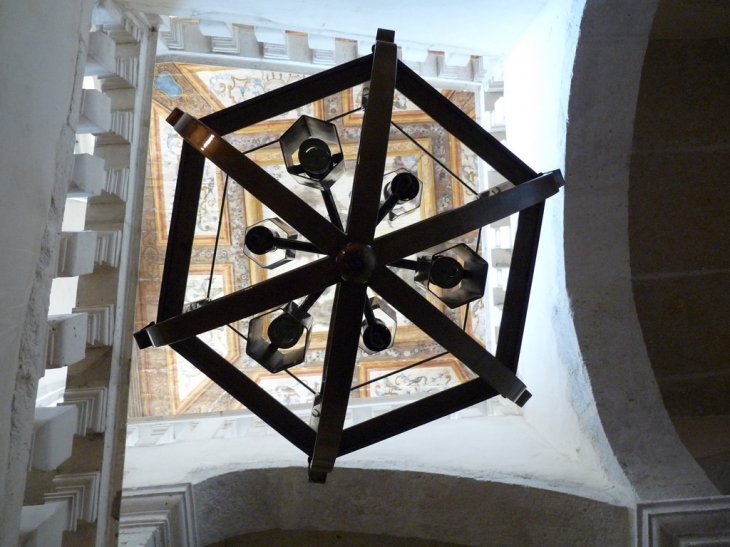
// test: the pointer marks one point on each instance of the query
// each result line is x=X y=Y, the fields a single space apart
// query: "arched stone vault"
x=406 y=504
x=605 y=86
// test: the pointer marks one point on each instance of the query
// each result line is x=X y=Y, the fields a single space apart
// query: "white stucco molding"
x=323 y=49
x=100 y=324
x=88 y=176
x=76 y=253
x=229 y=45
x=100 y=57
x=108 y=248
x=160 y=516
x=91 y=405
x=212 y=28
x=81 y=492
x=703 y=522
x=173 y=37
x=273 y=42
x=117 y=182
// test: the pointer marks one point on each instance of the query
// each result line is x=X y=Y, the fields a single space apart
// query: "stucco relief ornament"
x=353 y=258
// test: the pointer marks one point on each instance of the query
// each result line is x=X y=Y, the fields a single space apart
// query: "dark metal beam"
x=415 y=415
x=368 y=177
x=258 y=182
x=435 y=324
x=290 y=97
x=246 y=302
x=181 y=234
x=510 y=166
x=247 y=392
x=339 y=364
x=461 y=126
x=462 y=220
x=519 y=284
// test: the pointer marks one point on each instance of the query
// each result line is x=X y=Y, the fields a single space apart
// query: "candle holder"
x=401 y=193
x=378 y=327
x=312 y=153
x=279 y=339
x=272 y=243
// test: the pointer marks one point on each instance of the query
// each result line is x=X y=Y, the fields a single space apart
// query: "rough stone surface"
x=397 y=503
x=678 y=218
x=37 y=158
x=311 y=538
x=605 y=87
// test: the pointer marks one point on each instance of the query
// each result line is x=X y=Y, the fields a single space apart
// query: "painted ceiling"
x=170 y=385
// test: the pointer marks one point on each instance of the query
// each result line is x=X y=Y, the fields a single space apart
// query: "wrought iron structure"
x=354 y=259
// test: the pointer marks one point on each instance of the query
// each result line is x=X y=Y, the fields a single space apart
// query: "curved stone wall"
x=605 y=86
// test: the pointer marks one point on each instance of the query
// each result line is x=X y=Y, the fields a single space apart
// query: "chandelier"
x=352 y=259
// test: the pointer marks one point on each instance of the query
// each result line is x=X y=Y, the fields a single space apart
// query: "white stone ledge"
x=323 y=49
x=88 y=176
x=76 y=252
x=66 y=339
x=122 y=99
x=81 y=492
x=230 y=45
x=52 y=442
x=43 y=525
x=262 y=45
x=173 y=37
x=95 y=115
x=100 y=57
x=215 y=28
x=501 y=258
x=121 y=29
x=116 y=156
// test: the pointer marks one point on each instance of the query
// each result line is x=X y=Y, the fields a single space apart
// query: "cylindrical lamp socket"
x=315 y=157
x=404 y=186
x=376 y=336
x=446 y=272
x=285 y=331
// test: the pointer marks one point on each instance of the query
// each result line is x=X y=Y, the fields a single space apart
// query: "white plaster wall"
x=538 y=74
x=502 y=449
x=482 y=27
x=473 y=481
x=39 y=93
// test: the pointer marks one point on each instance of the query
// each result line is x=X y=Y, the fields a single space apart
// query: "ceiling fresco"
x=170 y=385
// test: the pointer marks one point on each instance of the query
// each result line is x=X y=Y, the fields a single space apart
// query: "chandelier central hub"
x=356 y=262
